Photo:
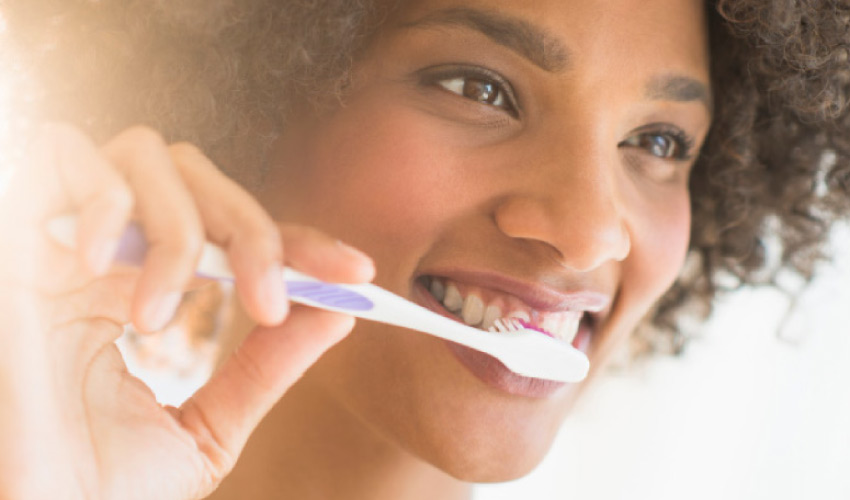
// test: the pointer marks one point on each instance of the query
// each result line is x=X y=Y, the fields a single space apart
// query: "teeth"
x=520 y=315
x=438 y=289
x=569 y=328
x=563 y=327
x=453 y=301
x=491 y=314
x=552 y=324
x=473 y=310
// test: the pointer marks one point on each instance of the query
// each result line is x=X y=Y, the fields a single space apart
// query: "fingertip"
x=362 y=266
x=274 y=301
x=266 y=300
x=366 y=270
x=323 y=257
x=347 y=324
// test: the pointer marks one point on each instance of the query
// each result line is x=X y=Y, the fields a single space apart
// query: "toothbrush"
x=522 y=350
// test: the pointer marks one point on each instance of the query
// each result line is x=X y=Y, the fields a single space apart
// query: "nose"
x=575 y=211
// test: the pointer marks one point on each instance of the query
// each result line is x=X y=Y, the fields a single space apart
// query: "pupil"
x=660 y=145
x=480 y=90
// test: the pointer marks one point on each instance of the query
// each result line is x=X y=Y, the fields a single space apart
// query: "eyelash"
x=465 y=75
x=683 y=143
x=462 y=75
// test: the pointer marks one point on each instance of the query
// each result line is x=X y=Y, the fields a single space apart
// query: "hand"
x=74 y=423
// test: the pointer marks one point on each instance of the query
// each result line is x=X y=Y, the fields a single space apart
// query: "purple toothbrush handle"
x=133 y=246
x=328 y=294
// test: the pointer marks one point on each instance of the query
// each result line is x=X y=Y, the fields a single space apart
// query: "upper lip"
x=536 y=294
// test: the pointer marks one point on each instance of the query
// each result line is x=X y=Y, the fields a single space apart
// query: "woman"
x=492 y=158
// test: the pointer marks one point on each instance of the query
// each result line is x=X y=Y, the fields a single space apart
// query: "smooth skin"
x=560 y=189
x=75 y=424
x=575 y=187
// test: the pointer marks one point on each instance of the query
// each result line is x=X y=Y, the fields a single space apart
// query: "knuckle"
x=186 y=150
x=189 y=240
x=137 y=147
x=190 y=159
x=119 y=197
x=265 y=228
x=181 y=238
x=144 y=137
x=263 y=235
x=305 y=233
x=219 y=461
x=253 y=370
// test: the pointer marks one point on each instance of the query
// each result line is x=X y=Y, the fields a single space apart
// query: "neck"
x=309 y=447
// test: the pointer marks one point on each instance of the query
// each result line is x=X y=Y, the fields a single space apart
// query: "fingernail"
x=367 y=266
x=273 y=294
x=161 y=310
x=101 y=255
x=354 y=252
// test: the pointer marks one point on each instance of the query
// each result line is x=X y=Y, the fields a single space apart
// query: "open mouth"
x=488 y=309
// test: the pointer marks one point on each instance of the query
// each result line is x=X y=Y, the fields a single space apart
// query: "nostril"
x=582 y=235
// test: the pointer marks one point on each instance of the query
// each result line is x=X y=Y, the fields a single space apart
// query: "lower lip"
x=490 y=370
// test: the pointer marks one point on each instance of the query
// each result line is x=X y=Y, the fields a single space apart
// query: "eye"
x=477 y=89
x=669 y=144
x=475 y=83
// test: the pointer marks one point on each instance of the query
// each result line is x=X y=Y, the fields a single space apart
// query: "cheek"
x=659 y=246
x=378 y=177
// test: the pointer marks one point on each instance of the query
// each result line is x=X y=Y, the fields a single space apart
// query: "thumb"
x=223 y=413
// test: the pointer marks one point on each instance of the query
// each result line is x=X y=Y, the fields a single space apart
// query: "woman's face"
x=501 y=158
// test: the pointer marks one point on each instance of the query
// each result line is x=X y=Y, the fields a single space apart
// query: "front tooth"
x=438 y=289
x=491 y=314
x=553 y=324
x=569 y=328
x=453 y=301
x=473 y=310
x=522 y=315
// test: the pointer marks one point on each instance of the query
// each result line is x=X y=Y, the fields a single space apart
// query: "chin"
x=492 y=467
x=412 y=391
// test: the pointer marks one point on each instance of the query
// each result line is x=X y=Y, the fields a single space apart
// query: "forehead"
x=623 y=35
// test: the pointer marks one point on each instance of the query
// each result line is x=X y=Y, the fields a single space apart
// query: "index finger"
x=67 y=174
x=325 y=258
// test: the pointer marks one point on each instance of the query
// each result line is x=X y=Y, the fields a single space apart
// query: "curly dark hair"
x=224 y=74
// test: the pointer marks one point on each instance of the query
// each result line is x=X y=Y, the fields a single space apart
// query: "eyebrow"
x=522 y=37
x=548 y=52
x=679 y=89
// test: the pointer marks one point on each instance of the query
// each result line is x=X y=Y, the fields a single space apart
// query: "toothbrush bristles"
x=527 y=325
x=508 y=325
